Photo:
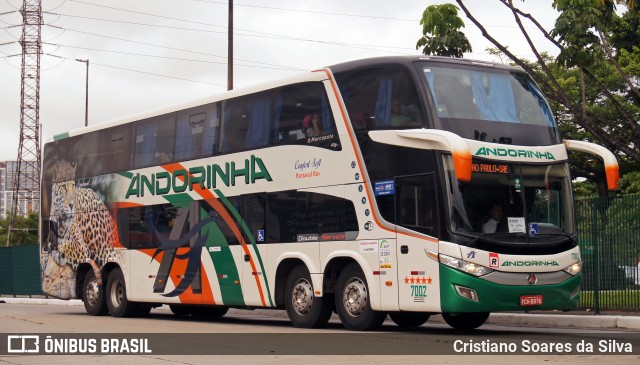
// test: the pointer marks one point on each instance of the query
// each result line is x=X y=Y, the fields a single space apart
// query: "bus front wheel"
x=93 y=295
x=117 y=302
x=465 y=321
x=353 y=301
x=409 y=319
x=304 y=308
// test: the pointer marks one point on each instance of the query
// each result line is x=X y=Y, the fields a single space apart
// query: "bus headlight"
x=466 y=266
x=574 y=268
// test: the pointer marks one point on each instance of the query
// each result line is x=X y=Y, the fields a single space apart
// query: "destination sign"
x=490 y=168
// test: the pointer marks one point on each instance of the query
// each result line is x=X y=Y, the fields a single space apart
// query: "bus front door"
x=416 y=219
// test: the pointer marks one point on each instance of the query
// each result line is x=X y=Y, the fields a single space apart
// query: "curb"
x=503 y=319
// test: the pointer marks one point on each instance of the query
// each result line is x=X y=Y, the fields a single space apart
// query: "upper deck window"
x=480 y=94
x=197 y=132
x=380 y=98
x=303 y=116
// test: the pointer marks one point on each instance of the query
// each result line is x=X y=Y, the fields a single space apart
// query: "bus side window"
x=246 y=122
x=197 y=132
x=282 y=220
x=295 y=107
x=154 y=141
x=380 y=98
x=138 y=227
x=254 y=215
x=115 y=149
x=321 y=216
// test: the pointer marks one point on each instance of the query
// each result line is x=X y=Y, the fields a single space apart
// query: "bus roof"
x=301 y=77
x=407 y=60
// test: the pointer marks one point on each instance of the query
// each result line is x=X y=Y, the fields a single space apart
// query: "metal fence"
x=609 y=237
x=20 y=270
x=608 y=233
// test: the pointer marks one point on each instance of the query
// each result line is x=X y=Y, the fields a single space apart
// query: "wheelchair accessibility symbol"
x=533 y=230
x=260 y=235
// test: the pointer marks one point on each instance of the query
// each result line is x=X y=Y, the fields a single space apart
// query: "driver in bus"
x=492 y=224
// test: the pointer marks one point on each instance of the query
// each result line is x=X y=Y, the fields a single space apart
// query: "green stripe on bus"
x=247 y=232
x=223 y=262
x=61 y=136
x=127 y=174
x=179 y=199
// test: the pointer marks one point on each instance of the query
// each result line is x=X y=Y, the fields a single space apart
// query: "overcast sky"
x=148 y=54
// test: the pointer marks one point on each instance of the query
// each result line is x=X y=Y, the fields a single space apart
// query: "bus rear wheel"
x=409 y=319
x=117 y=302
x=305 y=310
x=465 y=321
x=353 y=301
x=93 y=295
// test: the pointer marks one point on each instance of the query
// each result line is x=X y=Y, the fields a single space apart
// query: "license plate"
x=530 y=300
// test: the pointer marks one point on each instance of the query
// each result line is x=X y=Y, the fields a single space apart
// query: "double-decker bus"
x=401 y=186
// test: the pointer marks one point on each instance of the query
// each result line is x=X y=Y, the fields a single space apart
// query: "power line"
x=171 y=48
x=148 y=14
x=134 y=23
x=162 y=57
x=310 y=11
x=140 y=72
x=263 y=35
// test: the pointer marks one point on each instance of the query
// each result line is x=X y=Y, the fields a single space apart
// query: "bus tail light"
x=467 y=293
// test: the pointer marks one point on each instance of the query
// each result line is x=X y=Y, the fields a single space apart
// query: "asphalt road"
x=268 y=338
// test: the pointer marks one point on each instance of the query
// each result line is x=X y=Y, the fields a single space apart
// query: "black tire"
x=93 y=295
x=465 y=321
x=116 y=295
x=305 y=310
x=352 y=301
x=207 y=312
x=409 y=319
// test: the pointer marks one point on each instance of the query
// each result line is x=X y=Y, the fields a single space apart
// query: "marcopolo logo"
x=513 y=152
x=530 y=263
x=205 y=177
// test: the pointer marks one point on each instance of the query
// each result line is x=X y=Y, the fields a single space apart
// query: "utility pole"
x=230 y=49
x=26 y=178
x=86 y=93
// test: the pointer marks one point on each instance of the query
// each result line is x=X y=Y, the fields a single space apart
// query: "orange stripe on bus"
x=218 y=207
x=353 y=144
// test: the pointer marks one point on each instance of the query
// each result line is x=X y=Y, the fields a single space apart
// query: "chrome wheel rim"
x=302 y=297
x=117 y=293
x=91 y=292
x=355 y=297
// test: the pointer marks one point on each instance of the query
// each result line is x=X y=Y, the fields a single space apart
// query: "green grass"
x=612 y=299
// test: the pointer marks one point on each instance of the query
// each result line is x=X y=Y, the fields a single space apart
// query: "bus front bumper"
x=492 y=297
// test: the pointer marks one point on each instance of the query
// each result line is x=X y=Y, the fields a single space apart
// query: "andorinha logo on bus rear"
x=530 y=263
x=204 y=177
x=513 y=152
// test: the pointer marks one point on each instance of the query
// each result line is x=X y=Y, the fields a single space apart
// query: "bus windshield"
x=512 y=199
x=481 y=100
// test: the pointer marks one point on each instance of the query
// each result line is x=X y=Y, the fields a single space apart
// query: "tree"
x=441 y=32
x=593 y=82
x=25 y=230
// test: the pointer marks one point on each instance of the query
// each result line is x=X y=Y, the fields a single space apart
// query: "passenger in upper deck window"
x=312 y=125
x=397 y=118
